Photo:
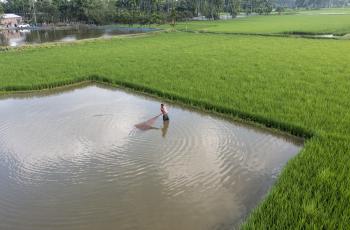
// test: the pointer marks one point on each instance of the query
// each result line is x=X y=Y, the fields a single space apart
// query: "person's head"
x=162 y=105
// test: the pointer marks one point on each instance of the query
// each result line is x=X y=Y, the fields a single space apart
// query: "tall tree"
x=1 y=9
x=46 y=11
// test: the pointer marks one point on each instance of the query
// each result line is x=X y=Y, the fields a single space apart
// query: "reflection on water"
x=74 y=160
x=165 y=128
x=22 y=37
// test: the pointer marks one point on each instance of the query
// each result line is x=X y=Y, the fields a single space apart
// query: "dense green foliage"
x=121 y=11
x=298 y=85
x=276 y=24
x=128 y=11
x=146 y=11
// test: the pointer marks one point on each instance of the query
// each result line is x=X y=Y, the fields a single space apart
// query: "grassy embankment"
x=303 y=23
x=298 y=85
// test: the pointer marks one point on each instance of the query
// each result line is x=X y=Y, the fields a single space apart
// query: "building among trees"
x=10 y=20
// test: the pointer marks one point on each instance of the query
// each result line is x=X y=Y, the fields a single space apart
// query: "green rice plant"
x=301 y=86
x=298 y=24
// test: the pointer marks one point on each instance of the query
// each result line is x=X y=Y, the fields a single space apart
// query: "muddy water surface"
x=73 y=160
x=22 y=37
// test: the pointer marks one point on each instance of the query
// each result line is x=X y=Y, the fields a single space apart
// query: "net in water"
x=147 y=124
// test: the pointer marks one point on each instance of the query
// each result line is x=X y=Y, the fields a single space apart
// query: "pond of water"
x=24 y=37
x=73 y=159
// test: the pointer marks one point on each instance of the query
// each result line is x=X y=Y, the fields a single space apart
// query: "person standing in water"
x=164 y=111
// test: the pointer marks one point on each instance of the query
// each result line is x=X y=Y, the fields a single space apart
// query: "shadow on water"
x=73 y=159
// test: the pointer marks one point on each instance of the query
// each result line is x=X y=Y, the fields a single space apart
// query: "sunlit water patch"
x=74 y=160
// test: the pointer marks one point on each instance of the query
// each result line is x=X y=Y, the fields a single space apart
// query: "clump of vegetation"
x=280 y=9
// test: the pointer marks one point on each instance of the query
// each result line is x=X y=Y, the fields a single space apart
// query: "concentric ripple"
x=74 y=160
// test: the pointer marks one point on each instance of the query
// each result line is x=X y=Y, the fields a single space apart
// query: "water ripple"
x=75 y=161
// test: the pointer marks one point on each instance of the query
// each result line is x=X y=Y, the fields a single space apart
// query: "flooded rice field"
x=73 y=159
x=25 y=36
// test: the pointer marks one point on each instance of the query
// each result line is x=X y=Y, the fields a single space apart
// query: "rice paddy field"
x=300 y=86
x=323 y=11
x=330 y=21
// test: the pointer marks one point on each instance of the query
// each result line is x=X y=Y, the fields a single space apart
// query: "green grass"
x=298 y=85
x=306 y=23
x=313 y=191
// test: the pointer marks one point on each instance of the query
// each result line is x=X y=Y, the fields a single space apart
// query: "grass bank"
x=298 y=85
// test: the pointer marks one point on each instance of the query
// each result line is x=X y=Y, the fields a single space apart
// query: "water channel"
x=22 y=37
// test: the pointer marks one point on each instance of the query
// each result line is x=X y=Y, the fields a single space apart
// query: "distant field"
x=325 y=11
x=305 y=22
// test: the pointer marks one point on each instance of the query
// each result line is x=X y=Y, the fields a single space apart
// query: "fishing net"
x=147 y=124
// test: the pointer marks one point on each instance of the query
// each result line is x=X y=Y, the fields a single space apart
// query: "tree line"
x=144 y=11
x=128 y=11
x=312 y=4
